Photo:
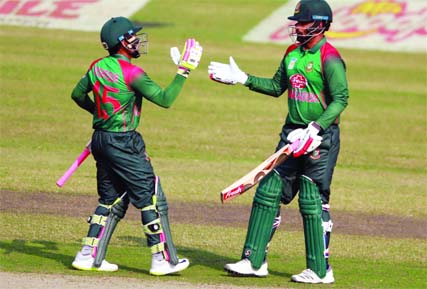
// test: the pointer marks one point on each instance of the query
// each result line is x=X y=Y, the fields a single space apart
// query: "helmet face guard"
x=314 y=30
x=133 y=44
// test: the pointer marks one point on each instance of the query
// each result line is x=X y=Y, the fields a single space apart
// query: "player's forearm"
x=331 y=114
x=274 y=86
x=154 y=93
x=269 y=86
x=80 y=96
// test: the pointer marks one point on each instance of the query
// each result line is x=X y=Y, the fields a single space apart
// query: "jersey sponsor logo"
x=303 y=96
x=105 y=74
x=298 y=81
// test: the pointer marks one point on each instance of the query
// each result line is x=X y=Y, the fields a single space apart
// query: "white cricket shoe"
x=163 y=267
x=308 y=276
x=244 y=268
x=85 y=263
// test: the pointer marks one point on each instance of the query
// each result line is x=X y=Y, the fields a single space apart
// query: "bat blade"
x=81 y=158
x=257 y=174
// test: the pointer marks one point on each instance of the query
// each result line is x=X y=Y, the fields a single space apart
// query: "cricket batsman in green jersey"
x=124 y=172
x=314 y=75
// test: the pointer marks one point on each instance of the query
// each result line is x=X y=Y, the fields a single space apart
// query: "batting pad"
x=310 y=207
x=117 y=212
x=162 y=208
x=264 y=210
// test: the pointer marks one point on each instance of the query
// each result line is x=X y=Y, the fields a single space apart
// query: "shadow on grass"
x=39 y=248
x=50 y=250
x=214 y=261
x=199 y=257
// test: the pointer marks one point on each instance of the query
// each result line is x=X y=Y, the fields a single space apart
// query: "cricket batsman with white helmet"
x=314 y=74
x=124 y=171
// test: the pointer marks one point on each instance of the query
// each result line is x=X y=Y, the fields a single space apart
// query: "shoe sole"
x=308 y=282
x=303 y=282
x=237 y=274
x=91 y=269
x=159 y=273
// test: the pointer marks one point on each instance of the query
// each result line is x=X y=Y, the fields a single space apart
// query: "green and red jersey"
x=118 y=87
x=316 y=83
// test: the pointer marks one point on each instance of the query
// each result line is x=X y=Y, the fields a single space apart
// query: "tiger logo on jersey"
x=309 y=67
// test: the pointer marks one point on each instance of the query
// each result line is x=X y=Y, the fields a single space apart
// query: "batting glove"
x=308 y=139
x=190 y=57
x=227 y=73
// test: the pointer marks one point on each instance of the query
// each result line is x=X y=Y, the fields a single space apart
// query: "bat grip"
x=295 y=145
x=61 y=181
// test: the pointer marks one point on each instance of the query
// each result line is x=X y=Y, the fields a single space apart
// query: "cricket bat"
x=86 y=152
x=253 y=177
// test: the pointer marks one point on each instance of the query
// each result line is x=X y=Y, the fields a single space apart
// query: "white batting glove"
x=190 y=57
x=227 y=73
x=175 y=55
x=296 y=135
x=308 y=139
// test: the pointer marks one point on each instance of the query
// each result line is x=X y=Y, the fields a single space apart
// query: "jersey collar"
x=121 y=56
x=316 y=47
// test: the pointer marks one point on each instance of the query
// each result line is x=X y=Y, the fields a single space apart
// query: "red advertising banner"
x=398 y=25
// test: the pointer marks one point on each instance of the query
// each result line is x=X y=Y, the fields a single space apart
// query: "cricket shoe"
x=163 y=267
x=85 y=263
x=244 y=268
x=308 y=276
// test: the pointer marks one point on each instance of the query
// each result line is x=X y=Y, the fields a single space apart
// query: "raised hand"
x=190 y=57
x=227 y=73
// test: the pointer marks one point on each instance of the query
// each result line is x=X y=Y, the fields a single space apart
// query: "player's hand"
x=190 y=57
x=175 y=55
x=227 y=73
x=308 y=139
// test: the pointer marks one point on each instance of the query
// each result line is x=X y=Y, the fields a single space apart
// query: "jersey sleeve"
x=156 y=94
x=80 y=94
x=274 y=86
x=335 y=76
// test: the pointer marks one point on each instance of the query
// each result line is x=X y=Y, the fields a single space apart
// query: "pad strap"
x=153 y=228
x=98 y=219
x=160 y=247
x=90 y=241
x=327 y=229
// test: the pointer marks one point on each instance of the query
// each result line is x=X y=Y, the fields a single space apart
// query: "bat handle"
x=61 y=181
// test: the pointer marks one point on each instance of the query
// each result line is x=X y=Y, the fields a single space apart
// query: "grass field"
x=212 y=135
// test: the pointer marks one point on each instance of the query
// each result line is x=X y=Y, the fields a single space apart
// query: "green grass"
x=210 y=248
x=212 y=135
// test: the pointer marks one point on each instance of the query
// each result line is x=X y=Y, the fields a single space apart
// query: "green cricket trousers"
x=123 y=166
x=318 y=165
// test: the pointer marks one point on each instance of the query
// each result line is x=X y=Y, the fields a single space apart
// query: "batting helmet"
x=114 y=29
x=312 y=10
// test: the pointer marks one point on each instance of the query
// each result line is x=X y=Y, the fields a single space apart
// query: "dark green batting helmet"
x=312 y=10
x=114 y=28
